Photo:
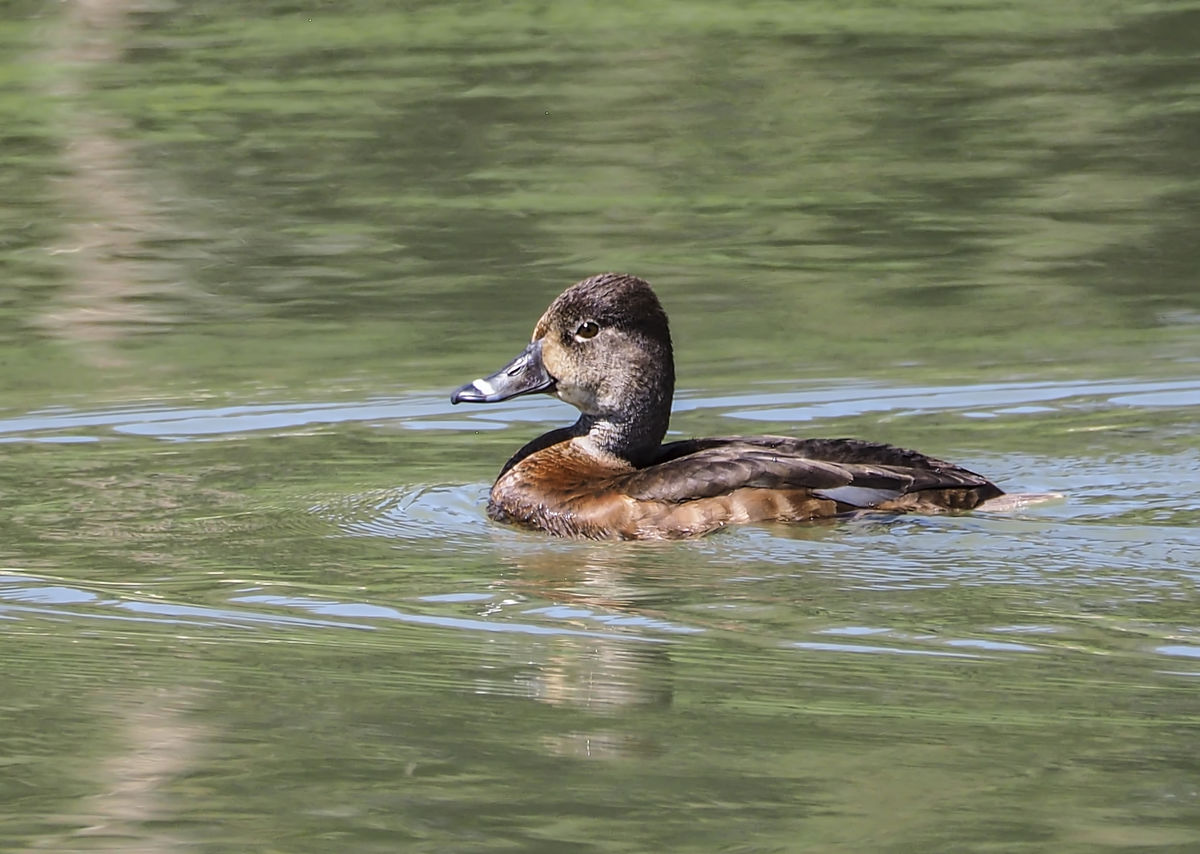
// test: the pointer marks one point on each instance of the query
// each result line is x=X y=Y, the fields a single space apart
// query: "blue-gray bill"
x=523 y=375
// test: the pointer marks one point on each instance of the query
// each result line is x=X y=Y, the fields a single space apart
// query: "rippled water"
x=249 y=597
x=206 y=619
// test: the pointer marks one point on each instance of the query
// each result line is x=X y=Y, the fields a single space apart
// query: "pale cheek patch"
x=484 y=386
x=582 y=400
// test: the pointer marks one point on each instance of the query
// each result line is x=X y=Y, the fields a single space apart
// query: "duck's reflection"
x=602 y=590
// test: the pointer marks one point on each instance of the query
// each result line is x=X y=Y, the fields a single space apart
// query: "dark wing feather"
x=724 y=468
x=849 y=471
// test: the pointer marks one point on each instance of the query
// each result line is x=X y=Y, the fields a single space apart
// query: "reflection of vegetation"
x=813 y=187
x=107 y=214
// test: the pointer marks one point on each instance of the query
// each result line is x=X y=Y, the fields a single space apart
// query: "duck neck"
x=634 y=441
x=633 y=435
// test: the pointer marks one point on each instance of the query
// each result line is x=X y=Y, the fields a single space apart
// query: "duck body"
x=700 y=485
x=604 y=346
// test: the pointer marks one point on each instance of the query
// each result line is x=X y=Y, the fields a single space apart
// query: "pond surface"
x=249 y=598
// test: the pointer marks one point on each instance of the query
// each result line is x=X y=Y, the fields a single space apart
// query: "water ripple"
x=26 y=597
x=425 y=512
x=764 y=403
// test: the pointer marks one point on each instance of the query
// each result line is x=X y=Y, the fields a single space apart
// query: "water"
x=249 y=599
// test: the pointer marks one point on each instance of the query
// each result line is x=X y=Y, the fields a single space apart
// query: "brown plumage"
x=604 y=346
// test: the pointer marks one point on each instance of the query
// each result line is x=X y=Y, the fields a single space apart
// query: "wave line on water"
x=433 y=412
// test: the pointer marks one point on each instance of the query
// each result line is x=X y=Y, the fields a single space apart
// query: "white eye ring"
x=587 y=329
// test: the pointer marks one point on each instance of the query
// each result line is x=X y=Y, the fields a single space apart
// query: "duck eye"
x=587 y=329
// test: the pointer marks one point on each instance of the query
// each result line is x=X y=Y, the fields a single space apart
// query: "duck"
x=604 y=346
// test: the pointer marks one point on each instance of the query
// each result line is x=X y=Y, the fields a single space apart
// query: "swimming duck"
x=604 y=347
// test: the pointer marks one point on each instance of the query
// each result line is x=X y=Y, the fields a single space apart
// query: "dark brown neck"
x=633 y=434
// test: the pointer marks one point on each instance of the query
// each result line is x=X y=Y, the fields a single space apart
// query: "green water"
x=249 y=600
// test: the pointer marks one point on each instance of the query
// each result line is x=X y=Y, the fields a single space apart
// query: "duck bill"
x=523 y=375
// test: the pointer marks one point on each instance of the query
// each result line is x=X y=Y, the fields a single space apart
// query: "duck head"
x=604 y=347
